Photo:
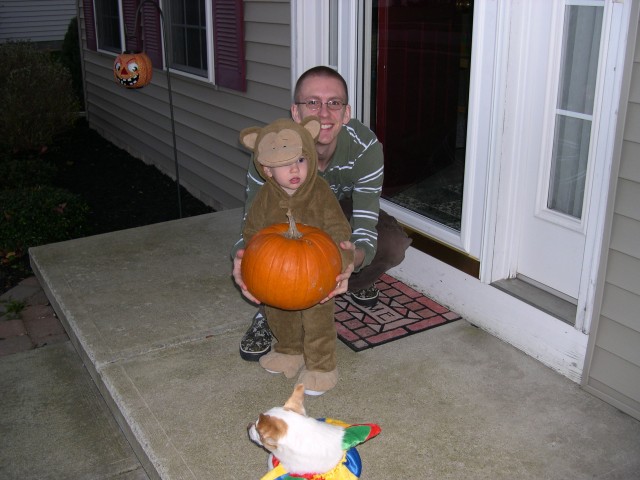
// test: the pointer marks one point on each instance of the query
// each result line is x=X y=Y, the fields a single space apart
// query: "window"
x=108 y=25
x=188 y=36
x=574 y=108
x=205 y=37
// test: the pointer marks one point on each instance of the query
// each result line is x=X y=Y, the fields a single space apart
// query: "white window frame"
x=542 y=210
x=210 y=76
x=97 y=27
x=311 y=42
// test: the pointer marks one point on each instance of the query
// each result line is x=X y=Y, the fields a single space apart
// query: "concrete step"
x=154 y=314
x=54 y=422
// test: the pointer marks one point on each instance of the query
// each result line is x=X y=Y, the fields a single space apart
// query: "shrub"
x=70 y=58
x=18 y=173
x=36 y=216
x=36 y=95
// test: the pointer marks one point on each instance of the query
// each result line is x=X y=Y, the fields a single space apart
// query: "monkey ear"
x=248 y=137
x=295 y=403
x=312 y=124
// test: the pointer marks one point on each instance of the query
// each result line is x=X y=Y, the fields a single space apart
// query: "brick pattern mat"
x=401 y=311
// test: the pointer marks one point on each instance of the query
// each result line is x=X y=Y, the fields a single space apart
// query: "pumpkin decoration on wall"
x=291 y=267
x=133 y=69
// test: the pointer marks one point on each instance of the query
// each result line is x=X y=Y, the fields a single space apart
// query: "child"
x=285 y=155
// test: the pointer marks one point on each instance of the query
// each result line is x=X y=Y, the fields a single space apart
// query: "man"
x=350 y=159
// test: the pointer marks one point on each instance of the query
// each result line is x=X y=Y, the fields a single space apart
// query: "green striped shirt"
x=356 y=171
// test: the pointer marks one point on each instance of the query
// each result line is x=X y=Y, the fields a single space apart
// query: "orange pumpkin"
x=133 y=69
x=291 y=267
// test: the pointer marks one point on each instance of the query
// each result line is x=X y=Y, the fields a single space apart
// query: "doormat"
x=401 y=311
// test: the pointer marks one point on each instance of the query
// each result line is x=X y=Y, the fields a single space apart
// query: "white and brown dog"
x=302 y=445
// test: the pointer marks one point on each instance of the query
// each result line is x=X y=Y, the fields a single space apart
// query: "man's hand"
x=358 y=257
x=342 y=280
x=237 y=276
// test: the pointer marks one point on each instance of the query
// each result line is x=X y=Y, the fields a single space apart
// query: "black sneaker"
x=257 y=341
x=367 y=297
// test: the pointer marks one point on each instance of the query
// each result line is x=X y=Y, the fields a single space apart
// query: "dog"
x=302 y=445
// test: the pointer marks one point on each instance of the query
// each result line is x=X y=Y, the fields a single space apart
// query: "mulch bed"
x=121 y=191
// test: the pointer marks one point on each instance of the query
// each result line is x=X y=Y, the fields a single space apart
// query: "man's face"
x=323 y=89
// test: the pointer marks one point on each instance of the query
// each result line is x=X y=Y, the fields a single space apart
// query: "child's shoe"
x=274 y=362
x=257 y=341
x=317 y=383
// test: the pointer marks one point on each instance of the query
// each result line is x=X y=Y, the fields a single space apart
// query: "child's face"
x=289 y=177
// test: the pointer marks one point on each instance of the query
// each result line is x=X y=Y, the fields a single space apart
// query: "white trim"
x=309 y=36
x=517 y=64
x=580 y=116
x=502 y=221
x=364 y=81
x=554 y=343
x=123 y=27
x=616 y=33
x=348 y=48
x=310 y=41
x=626 y=67
x=211 y=51
x=481 y=118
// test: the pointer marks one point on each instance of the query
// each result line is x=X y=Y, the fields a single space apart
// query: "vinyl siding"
x=208 y=118
x=35 y=20
x=613 y=365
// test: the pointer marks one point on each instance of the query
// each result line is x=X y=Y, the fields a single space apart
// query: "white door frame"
x=500 y=252
x=556 y=344
x=311 y=38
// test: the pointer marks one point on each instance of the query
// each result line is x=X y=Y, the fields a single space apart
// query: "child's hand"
x=237 y=276
x=342 y=280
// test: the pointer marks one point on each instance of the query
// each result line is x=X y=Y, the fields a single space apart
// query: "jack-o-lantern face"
x=133 y=70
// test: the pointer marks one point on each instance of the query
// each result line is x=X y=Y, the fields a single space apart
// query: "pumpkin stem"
x=293 y=231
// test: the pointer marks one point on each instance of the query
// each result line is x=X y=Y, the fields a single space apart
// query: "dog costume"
x=305 y=338
x=349 y=467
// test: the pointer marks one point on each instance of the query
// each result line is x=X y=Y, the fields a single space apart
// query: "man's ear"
x=295 y=113
x=347 y=114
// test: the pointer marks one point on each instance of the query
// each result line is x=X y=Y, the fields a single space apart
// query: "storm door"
x=420 y=70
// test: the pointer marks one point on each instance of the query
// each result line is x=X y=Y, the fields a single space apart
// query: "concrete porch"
x=154 y=315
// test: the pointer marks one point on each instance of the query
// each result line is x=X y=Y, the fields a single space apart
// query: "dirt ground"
x=121 y=191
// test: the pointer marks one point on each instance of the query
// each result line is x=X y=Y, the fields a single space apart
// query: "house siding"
x=208 y=118
x=613 y=364
x=35 y=20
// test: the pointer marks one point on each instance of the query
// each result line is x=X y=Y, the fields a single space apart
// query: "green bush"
x=36 y=216
x=70 y=58
x=18 y=173
x=36 y=95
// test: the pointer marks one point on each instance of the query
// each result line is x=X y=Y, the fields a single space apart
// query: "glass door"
x=420 y=77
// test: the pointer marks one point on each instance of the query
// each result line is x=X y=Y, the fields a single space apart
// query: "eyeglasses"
x=315 y=105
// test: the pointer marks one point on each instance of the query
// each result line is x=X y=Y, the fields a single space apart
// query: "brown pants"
x=310 y=332
x=392 y=244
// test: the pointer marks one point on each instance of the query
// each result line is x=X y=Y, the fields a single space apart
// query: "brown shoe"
x=317 y=383
x=274 y=362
